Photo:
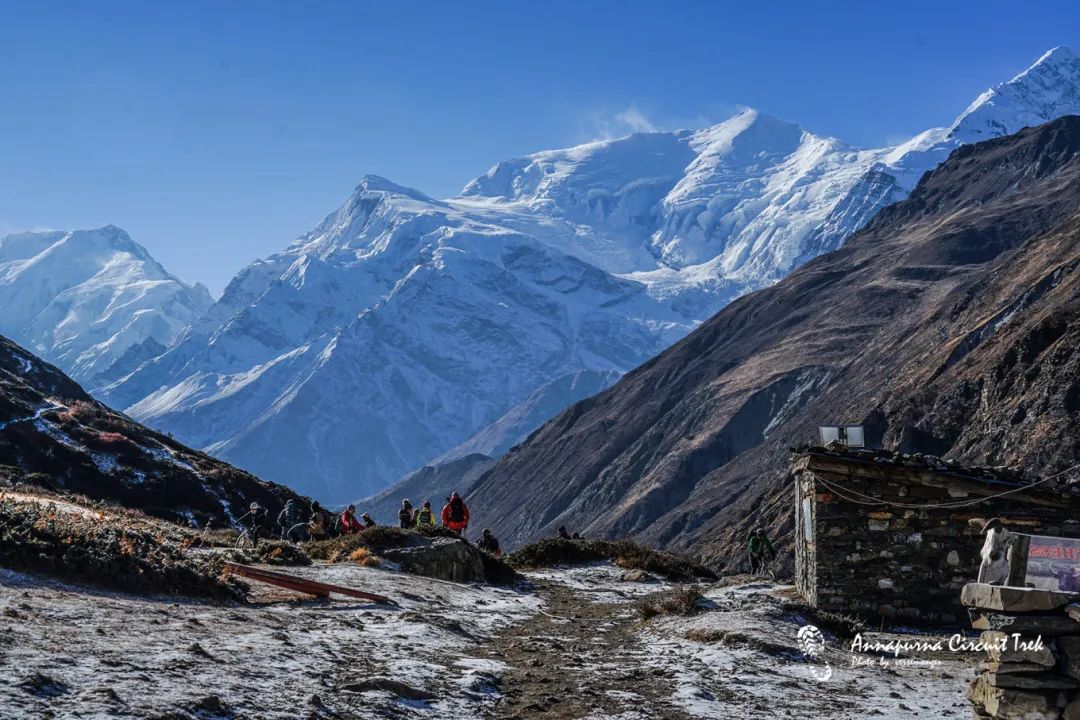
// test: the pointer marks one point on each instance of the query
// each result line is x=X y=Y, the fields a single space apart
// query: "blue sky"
x=216 y=132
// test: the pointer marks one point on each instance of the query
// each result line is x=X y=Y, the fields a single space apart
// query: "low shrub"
x=270 y=552
x=374 y=538
x=625 y=554
x=683 y=600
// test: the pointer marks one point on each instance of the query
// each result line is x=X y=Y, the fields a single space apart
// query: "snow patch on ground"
x=264 y=661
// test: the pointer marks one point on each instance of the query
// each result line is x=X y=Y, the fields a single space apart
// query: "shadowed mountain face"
x=948 y=325
x=53 y=434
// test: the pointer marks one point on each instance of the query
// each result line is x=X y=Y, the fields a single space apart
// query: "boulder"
x=636 y=576
x=1047 y=681
x=1069 y=651
x=1007 y=648
x=1013 y=599
x=442 y=558
x=1035 y=624
x=1008 y=704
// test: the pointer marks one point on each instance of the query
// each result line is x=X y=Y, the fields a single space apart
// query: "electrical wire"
x=949 y=505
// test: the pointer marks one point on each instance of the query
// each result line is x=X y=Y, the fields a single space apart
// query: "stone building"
x=887 y=534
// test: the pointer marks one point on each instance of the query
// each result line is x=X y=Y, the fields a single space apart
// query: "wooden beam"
x=300 y=584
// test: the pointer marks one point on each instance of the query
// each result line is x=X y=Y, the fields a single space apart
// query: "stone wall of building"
x=903 y=563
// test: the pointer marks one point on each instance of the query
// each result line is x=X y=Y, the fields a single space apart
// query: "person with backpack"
x=761 y=550
x=319 y=523
x=349 y=523
x=289 y=521
x=489 y=544
x=425 y=517
x=405 y=515
x=252 y=522
x=455 y=514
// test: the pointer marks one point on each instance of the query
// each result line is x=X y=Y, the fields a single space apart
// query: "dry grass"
x=683 y=600
x=116 y=550
x=364 y=557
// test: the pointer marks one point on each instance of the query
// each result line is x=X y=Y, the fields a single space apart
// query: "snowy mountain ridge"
x=88 y=300
x=403 y=326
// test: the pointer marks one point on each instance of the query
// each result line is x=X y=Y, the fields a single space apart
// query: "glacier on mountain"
x=403 y=327
x=92 y=302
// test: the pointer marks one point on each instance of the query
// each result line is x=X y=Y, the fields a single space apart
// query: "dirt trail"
x=581 y=658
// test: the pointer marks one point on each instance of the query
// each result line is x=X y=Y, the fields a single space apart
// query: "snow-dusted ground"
x=760 y=672
x=476 y=651
x=111 y=655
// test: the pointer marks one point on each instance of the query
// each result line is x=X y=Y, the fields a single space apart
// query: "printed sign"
x=1053 y=563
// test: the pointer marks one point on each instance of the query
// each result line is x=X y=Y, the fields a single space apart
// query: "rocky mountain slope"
x=55 y=435
x=948 y=325
x=92 y=301
x=404 y=328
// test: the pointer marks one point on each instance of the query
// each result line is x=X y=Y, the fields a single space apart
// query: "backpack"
x=457 y=510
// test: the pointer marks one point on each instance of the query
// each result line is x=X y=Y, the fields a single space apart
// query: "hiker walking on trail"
x=455 y=514
x=405 y=515
x=349 y=523
x=289 y=521
x=368 y=522
x=425 y=516
x=489 y=544
x=319 y=524
x=761 y=550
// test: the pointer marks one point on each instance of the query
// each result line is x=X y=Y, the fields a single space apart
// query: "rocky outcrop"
x=442 y=558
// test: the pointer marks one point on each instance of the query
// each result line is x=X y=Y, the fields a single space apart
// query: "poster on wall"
x=1053 y=563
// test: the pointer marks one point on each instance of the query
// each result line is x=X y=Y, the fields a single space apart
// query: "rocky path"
x=580 y=658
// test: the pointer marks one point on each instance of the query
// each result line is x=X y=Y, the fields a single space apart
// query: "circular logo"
x=812 y=645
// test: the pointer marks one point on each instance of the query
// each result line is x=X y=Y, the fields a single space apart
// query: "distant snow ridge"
x=89 y=299
x=404 y=328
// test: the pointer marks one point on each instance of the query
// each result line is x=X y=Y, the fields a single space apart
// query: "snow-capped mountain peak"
x=92 y=301
x=1047 y=90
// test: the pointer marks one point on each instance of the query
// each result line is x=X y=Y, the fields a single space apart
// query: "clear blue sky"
x=216 y=132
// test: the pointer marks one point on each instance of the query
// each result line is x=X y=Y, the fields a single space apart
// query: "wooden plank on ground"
x=300 y=584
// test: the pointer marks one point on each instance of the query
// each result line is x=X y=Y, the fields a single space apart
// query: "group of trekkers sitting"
x=322 y=525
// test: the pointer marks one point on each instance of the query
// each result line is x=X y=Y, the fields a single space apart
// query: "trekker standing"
x=319 y=524
x=405 y=515
x=455 y=514
x=761 y=550
x=489 y=544
x=425 y=516
x=349 y=523
x=288 y=519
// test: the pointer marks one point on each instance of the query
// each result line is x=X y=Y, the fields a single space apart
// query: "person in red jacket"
x=455 y=514
x=349 y=523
